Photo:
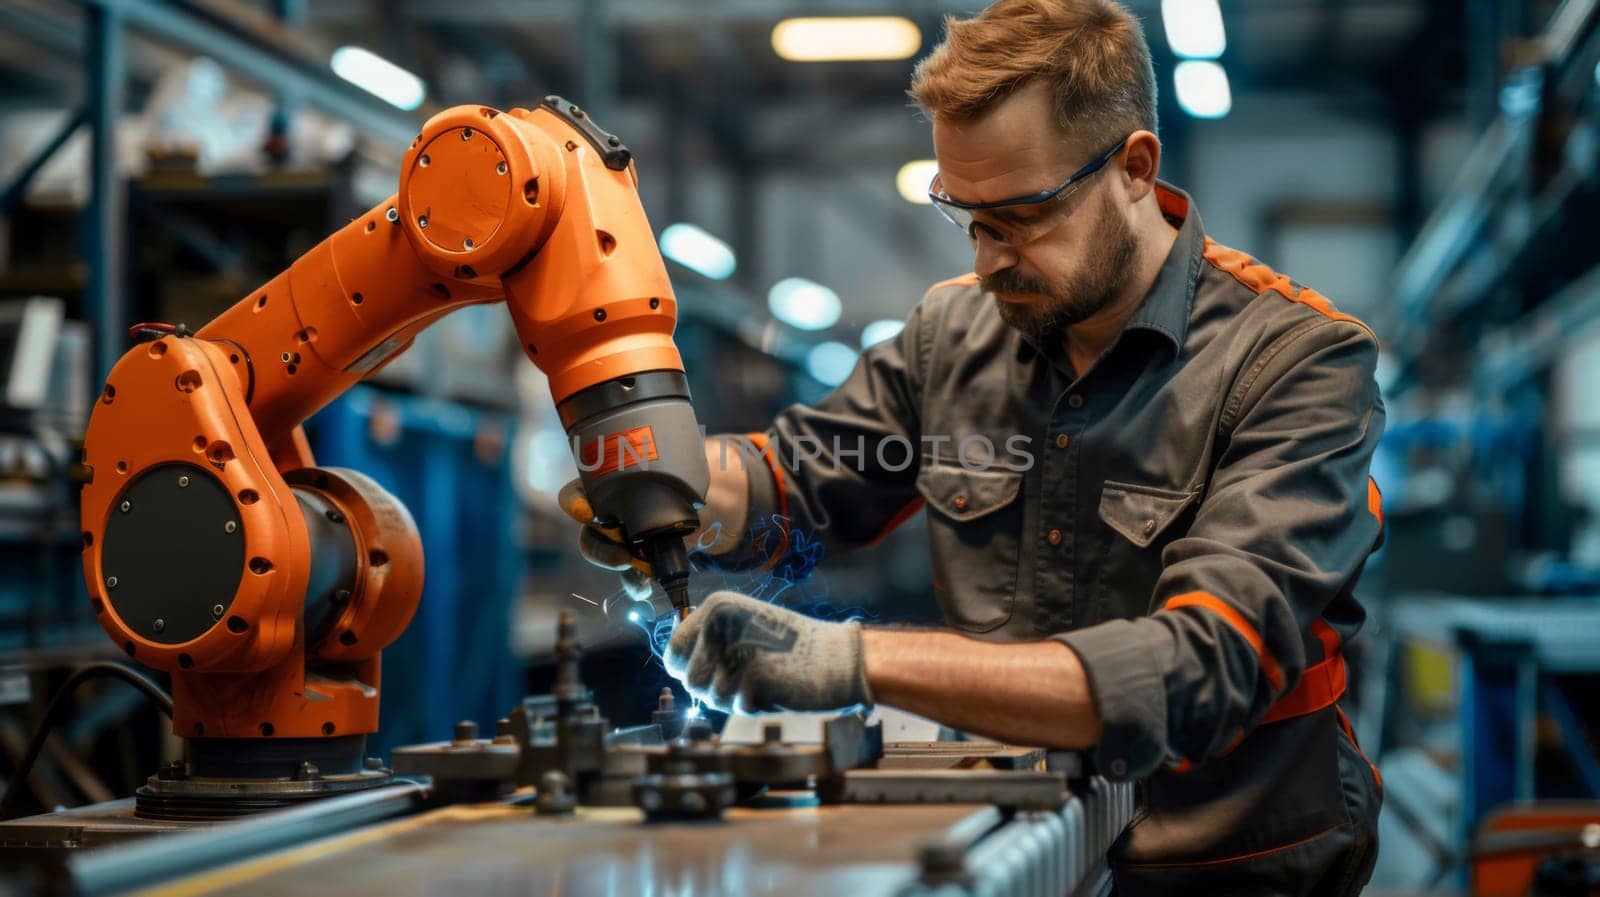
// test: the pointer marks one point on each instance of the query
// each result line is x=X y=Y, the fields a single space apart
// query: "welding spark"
x=790 y=576
x=581 y=598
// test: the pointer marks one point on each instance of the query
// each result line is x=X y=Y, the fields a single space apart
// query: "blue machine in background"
x=450 y=465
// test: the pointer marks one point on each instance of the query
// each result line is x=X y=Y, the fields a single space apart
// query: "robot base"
x=229 y=778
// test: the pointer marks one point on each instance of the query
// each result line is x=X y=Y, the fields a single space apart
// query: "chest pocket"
x=974 y=530
x=1142 y=521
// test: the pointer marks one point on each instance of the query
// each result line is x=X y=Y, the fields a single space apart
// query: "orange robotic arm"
x=213 y=548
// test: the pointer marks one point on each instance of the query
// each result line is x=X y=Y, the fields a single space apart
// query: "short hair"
x=1091 y=53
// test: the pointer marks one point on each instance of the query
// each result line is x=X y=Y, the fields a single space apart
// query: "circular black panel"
x=176 y=553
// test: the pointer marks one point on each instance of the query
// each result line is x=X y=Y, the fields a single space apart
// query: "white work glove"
x=742 y=655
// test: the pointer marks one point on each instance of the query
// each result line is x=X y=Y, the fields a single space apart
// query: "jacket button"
x=1054 y=537
x=1119 y=767
x=960 y=502
x=1061 y=440
x=1149 y=527
x=1074 y=401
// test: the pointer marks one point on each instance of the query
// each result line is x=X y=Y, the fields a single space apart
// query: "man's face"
x=1082 y=254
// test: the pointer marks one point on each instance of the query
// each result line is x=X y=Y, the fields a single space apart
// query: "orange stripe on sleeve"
x=1328 y=636
x=760 y=442
x=1231 y=616
x=1258 y=278
x=1375 y=500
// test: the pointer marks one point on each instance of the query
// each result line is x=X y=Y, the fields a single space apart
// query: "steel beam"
x=1496 y=165
x=596 y=61
x=19 y=184
x=106 y=219
x=209 y=29
x=161 y=861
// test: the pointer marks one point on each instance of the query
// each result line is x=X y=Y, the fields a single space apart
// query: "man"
x=1162 y=574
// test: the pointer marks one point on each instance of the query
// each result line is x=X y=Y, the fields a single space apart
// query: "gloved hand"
x=737 y=653
x=721 y=520
x=602 y=545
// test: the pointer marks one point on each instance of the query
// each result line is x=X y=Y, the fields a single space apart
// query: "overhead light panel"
x=698 y=251
x=878 y=331
x=1202 y=89
x=1194 y=28
x=379 y=77
x=913 y=179
x=846 y=38
x=830 y=363
x=803 y=303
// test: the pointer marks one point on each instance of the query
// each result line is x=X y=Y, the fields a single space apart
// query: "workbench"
x=392 y=842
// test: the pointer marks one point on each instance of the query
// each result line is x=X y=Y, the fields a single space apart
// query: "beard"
x=1075 y=297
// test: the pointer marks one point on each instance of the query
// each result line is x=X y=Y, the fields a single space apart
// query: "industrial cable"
x=57 y=707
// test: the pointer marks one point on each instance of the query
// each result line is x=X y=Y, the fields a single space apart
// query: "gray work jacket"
x=1189 y=516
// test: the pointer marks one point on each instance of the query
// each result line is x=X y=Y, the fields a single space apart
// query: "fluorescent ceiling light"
x=1203 y=89
x=850 y=38
x=379 y=77
x=878 y=331
x=1194 y=28
x=913 y=179
x=698 y=251
x=830 y=362
x=803 y=303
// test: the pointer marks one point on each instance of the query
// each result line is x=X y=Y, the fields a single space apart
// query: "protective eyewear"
x=1023 y=219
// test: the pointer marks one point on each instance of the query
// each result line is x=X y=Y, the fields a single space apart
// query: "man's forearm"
x=727 y=498
x=1034 y=693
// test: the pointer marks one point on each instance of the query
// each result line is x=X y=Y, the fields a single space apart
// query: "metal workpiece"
x=850 y=743
x=569 y=690
x=564 y=732
x=686 y=781
x=963 y=755
x=41 y=839
x=121 y=869
x=465 y=768
x=1051 y=853
x=697 y=729
x=774 y=764
x=668 y=716
x=555 y=796
x=1009 y=789
x=942 y=869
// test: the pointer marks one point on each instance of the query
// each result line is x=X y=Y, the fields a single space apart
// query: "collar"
x=1165 y=309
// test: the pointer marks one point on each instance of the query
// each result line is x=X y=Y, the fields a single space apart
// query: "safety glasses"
x=1022 y=219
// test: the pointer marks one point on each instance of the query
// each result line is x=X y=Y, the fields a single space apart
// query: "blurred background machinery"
x=1429 y=164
